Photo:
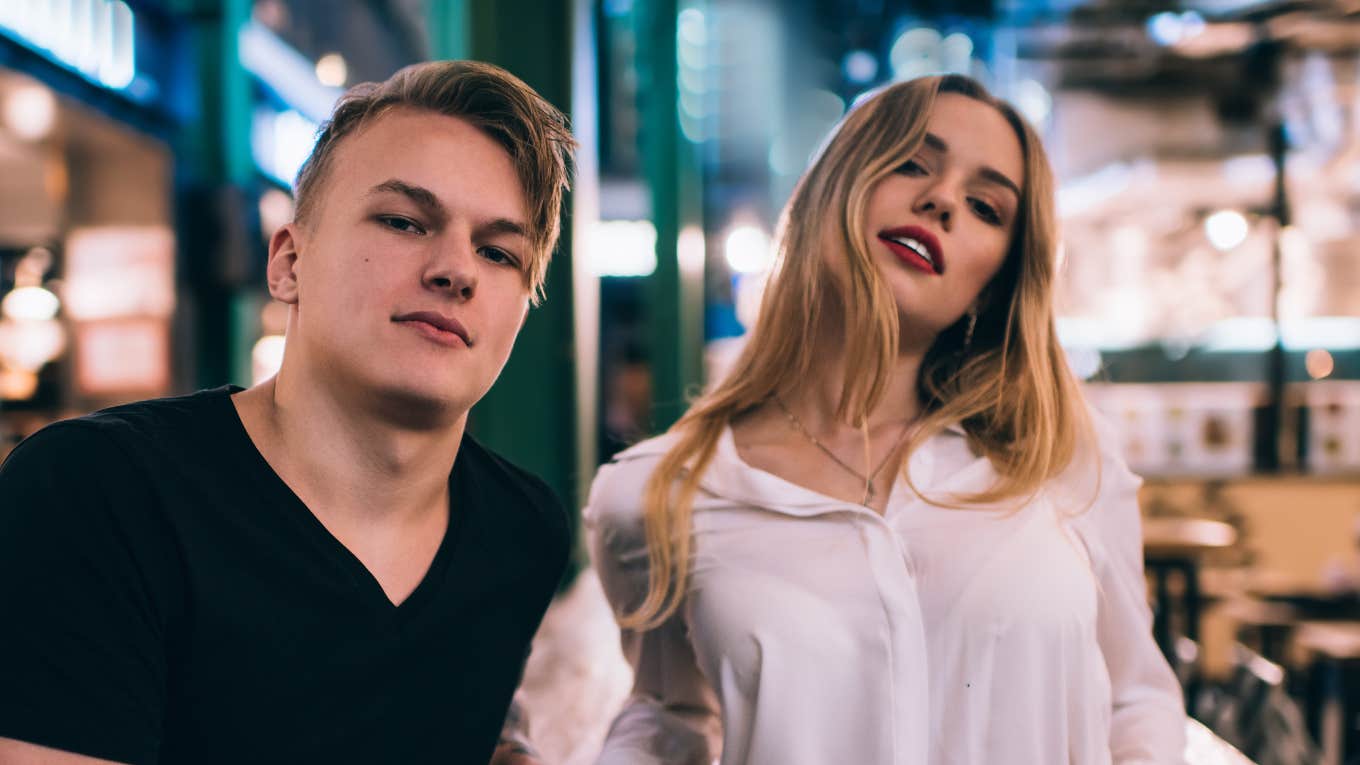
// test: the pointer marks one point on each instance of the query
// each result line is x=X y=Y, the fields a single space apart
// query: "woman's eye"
x=398 y=223
x=499 y=256
x=986 y=212
x=912 y=167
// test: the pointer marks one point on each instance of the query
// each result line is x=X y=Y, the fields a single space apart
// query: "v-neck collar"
x=367 y=588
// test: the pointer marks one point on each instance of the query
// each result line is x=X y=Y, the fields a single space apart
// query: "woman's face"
x=940 y=225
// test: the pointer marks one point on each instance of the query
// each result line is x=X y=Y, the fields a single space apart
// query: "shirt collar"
x=729 y=479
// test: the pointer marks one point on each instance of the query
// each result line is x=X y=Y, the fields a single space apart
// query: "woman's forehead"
x=976 y=133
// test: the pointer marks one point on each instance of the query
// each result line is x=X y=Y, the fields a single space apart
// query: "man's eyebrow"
x=992 y=174
x=418 y=194
x=503 y=226
x=430 y=203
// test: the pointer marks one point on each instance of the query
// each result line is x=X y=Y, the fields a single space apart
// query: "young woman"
x=891 y=534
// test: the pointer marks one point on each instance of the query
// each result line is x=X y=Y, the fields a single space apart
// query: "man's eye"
x=499 y=256
x=398 y=223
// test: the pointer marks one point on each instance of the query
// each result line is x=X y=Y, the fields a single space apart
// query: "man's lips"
x=907 y=241
x=438 y=327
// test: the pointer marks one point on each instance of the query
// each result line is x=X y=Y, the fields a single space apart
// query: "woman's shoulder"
x=616 y=493
x=1097 y=471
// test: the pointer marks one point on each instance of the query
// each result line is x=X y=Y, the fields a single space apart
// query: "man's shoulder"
x=494 y=472
x=521 y=505
x=115 y=442
x=96 y=477
x=157 y=415
x=124 y=424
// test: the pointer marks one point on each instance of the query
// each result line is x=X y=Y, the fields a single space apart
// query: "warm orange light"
x=1319 y=363
x=17 y=384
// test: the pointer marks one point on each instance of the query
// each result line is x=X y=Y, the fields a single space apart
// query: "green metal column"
x=214 y=191
x=448 y=22
x=669 y=159
x=530 y=414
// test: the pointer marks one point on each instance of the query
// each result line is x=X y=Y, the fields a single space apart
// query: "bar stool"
x=1263 y=625
x=1335 y=648
x=1175 y=546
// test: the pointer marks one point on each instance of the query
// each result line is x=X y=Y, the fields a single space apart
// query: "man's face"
x=407 y=284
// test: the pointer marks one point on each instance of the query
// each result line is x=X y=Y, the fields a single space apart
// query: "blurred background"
x=1208 y=154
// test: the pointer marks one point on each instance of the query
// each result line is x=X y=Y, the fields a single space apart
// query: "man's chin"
x=417 y=407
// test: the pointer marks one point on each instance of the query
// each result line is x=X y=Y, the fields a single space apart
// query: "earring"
x=968 y=331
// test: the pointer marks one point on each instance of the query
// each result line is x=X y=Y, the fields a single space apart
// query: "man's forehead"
x=442 y=157
x=409 y=130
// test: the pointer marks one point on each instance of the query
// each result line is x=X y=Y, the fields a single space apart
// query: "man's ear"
x=282 y=270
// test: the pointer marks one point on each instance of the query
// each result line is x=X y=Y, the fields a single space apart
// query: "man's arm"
x=82 y=589
x=23 y=753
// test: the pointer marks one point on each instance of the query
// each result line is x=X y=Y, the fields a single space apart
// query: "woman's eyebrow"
x=988 y=173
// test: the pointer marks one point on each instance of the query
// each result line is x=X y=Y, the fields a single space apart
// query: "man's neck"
x=347 y=462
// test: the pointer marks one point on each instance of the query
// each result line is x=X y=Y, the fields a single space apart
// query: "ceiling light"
x=747 y=248
x=30 y=112
x=331 y=70
x=1226 y=229
x=30 y=303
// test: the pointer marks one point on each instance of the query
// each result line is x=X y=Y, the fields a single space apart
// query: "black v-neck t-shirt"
x=166 y=598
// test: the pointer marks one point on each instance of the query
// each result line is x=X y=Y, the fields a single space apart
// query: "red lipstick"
x=899 y=241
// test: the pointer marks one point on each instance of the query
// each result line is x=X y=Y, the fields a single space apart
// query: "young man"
x=324 y=568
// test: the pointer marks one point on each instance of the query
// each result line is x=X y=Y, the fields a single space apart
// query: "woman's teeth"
x=917 y=247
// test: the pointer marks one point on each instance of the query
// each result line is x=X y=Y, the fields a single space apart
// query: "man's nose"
x=453 y=269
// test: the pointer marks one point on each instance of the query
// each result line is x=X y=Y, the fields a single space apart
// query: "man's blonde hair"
x=532 y=131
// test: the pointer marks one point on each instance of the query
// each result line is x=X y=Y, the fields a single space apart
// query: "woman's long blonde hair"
x=1011 y=391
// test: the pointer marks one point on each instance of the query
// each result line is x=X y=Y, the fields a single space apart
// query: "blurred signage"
x=116 y=271
x=286 y=72
x=95 y=38
x=122 y=357
x=622 y=248
x=1204 y=429
x=120 y=294
x=280 y=142
x=1333 y=434
x=284 y=126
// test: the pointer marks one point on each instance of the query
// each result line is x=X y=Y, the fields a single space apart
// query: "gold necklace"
x=869 y=490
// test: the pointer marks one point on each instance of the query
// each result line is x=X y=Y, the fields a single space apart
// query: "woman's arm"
x=1148 y=718
x=671 y=717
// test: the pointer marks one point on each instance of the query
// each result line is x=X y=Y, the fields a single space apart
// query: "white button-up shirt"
x=815 y=631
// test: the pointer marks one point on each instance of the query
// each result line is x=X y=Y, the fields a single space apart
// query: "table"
x=1269 y=623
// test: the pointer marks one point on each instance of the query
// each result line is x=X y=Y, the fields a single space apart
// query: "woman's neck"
x=815 y=397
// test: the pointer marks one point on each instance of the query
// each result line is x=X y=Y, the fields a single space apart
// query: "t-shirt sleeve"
x=82 y=593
